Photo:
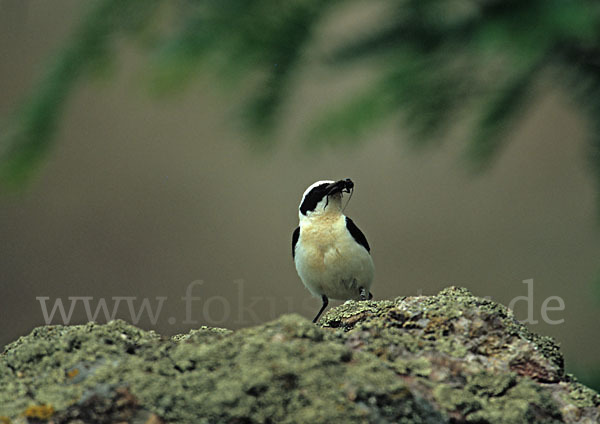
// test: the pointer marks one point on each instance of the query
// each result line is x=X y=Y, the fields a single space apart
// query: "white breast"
x=330 y=262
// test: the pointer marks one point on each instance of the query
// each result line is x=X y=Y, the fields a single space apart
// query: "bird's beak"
x=340 y=186
x=334 y=188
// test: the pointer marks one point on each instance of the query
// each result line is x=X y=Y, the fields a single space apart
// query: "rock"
x=449 y=358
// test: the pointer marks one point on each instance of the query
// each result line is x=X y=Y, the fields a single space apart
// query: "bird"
x=331 y=254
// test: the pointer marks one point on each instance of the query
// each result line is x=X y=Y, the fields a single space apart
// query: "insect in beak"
x=341 y=186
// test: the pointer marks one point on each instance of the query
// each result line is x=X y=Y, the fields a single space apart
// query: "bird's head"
x=324 y=197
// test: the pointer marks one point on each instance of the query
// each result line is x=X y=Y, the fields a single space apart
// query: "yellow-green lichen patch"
x=203 y=334
x=283 y=371
x=414 y=366
x=580 y=395
x=350 y=312
x=523 y=402
x=490 y=385
x=473 y=346
x=452 y=357
x=40 y=412
x=43 y=362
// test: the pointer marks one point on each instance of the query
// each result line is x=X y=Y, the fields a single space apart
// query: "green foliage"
x=435 y=61
x=28 y=140
x=236 y=39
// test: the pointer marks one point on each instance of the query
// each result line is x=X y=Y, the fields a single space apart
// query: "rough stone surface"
x=449 y=358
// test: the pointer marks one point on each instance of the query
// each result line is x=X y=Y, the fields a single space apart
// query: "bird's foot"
x=363 y=294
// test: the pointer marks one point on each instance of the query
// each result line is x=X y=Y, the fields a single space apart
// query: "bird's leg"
x=363 y=294
x=325 y=303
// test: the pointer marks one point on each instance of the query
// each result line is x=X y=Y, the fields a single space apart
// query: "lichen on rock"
x=447 y=358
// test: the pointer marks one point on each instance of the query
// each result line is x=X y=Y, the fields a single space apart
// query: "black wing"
x=357 y=234
x=295 y=238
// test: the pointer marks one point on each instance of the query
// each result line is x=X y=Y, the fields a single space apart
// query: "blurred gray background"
x=140 y=197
